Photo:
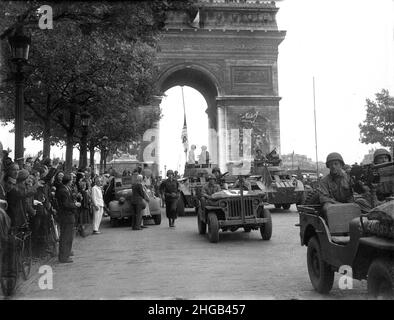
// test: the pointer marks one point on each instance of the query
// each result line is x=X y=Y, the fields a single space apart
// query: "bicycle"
x=53 y=234
x=20 y=238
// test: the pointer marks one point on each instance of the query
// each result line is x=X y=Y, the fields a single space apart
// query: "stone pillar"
x=222 y=145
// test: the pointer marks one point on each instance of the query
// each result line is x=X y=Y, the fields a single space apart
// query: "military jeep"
x=340 y=238
x=229 y=210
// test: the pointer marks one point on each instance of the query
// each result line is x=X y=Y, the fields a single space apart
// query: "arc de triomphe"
x=228 y=52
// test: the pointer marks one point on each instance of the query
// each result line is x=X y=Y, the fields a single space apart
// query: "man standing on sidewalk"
x=98 y=204
x=67 y=207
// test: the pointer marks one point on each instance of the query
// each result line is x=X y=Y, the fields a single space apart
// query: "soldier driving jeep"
x=210 y=187
x=336 y=187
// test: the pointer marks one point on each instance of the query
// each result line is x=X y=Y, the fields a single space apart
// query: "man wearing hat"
x=170 y=189
x=67 y=208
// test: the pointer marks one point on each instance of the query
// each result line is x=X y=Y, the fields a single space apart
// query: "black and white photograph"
x=221 y=151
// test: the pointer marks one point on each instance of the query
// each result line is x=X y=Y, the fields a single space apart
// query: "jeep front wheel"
x=266 y=229
x=213 y=228
x=202 y=226
x=320 y=273
x=381 y=279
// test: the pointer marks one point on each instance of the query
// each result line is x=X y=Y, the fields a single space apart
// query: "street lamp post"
x=19 y=45
x=85 y=121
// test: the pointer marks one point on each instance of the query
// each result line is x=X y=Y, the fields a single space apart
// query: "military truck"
x=229 y=210
x=281 y=189
x=194 y=178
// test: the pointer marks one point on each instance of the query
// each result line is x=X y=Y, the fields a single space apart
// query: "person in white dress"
x=98 y=204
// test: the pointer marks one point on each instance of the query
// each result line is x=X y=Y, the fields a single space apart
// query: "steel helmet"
x=216 y=169
x=170 y=172
x=380 y=152
x=334 y=156
x=211 y=176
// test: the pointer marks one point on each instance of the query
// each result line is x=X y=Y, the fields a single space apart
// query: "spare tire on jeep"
x=311 y=197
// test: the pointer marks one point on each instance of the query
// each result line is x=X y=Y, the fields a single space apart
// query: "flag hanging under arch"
x=184 y=137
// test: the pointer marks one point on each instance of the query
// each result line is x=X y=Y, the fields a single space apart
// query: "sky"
x=347 y=46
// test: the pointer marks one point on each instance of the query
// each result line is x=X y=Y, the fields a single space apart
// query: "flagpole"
x=184 y=116
x=314 y=113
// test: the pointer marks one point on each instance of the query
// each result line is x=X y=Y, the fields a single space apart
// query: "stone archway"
x=201 y=79
x=228 y=52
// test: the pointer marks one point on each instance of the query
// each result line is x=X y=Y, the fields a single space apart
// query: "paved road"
x=168 y=263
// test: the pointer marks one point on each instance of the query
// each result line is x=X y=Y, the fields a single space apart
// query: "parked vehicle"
x=119 y=209
x=229 y=210
x=340 y=239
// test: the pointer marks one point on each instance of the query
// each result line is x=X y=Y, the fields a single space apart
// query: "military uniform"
x=335 y=188
x=209 y=189
x=168 y=187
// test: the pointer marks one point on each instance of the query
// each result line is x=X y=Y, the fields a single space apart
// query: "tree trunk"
x=46 y=149
x=70 y=144
x=80 y=161
x=91 y=150
x=101 y=161
x=69 y=153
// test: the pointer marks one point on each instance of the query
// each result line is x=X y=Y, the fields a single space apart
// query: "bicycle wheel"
x=26 y=257
x=54 y=229
x=53 y=238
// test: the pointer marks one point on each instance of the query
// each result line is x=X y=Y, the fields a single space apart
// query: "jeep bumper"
x=257 y=222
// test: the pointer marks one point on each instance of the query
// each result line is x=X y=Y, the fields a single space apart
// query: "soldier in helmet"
x=219 y=179
x=335 y=187
x=381 y=156
x=170 y=189
x=210 y=188
x=370 y=197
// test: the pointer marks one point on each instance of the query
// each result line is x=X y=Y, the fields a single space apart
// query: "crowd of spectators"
x=29 y=197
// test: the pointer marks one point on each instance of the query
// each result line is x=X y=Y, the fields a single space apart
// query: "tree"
x=378 y=126
x=105 y=66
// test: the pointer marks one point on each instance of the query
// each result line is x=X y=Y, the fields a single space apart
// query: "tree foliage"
x=99 y=57
x=378 y=126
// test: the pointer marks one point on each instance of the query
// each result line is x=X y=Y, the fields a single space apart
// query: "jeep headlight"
x=223 y=204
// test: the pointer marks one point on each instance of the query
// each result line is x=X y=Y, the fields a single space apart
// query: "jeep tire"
x=320 y=272
x=213 y=228
x=381 y=279
x=202 y=226
x=266 y=229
